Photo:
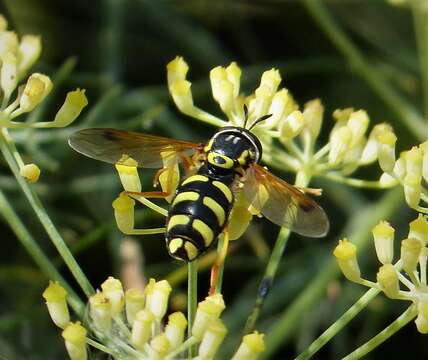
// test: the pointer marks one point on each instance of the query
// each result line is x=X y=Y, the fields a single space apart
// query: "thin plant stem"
x=385 y=334
x=359 y=183
x=192 y=299
x=420 y=17
x=338 y=325
x=407 y=113
x=219 y=282
x=45 y=220
x=302 y=180
x=42 y=261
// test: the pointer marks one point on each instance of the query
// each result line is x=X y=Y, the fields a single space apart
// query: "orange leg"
x=214 y=279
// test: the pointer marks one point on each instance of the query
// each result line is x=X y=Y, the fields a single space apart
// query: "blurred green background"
x=118 y=50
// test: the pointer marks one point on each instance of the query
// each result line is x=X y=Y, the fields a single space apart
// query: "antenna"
x=259 y=120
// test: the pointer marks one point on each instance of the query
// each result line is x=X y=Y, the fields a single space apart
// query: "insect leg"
x=218 y=263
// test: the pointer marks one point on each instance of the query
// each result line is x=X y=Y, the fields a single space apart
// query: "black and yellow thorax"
x=203 y=202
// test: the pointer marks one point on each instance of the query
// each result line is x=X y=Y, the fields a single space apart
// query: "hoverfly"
x=203 y=201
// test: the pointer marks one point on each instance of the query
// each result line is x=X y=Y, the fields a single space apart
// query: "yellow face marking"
x=216 y=208
x=191 y=250
x=208 y=146
x=243 y=157
x=178 y=220
x=175 y=244
x=195 y=178
x=220 y=160
x=186 y=196
x=224 y=189
x=204 y=230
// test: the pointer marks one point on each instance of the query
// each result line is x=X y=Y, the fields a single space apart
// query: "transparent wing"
x=118 y=147
x=284 y=204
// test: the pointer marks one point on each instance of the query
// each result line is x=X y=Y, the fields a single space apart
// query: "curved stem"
x=40 y=211
x=385 y=334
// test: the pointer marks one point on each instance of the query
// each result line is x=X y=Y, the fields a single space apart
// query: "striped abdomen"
x=198 y=214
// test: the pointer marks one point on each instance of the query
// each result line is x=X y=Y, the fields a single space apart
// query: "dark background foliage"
x=118 y=50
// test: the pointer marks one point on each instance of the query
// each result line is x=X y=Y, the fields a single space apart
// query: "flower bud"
x=386 y=151
x=259 y=105
x=142 y=328
x=278 y=108
x=388 y=280
x=36 y=89
x=8 y=74
x=29 y=51
x=412 y=189
x=424 y=147
x=177 y=70
x=159 y=346
x=422 y=318
x=8 y=43
x=100 y=311
x=339 y=145
x=313 y=114
x=358 y=123
x=371 y=148
x=208 y=310
x=175 y=328
x=251 y=347
x=182 y=96
x=346 y=256
x=234 y=76
x=157 y=299
x=270 y=80
x=124 y=213
x=383 y=234
x=75 y=341
x=222 y=89
x=292 y=126
x=387 y=181
x=400 y=167
x=73 y=105
x=3 y=23
x=55 y=296
x=113 y=291
x=30 y=172
x=128 y=175
x=134 y=302
x=414 y=161
x=212 y=339
x=410 y=251
x=419 y=229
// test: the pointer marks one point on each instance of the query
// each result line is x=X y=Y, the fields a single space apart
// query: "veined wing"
x=130 y=148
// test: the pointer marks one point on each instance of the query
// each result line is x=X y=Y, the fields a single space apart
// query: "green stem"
x=361 y=225
x=420 y=17
x=338 y=325
x=385 y=334
x=37 y=254
x=408 y=114
x=45 y=220
x=302 y=180
x=359 y=183
x=219 y=283
x=192 y=300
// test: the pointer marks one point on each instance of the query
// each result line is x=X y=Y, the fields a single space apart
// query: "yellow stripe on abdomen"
x=205 y=231
x=224 y=189
x=186 y=196
x=216 y=209
x=195 y=178
x=178 y=220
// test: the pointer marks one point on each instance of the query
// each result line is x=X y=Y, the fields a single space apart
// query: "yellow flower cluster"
x=349 y=145
x=17 y=56
x=129 y=324
x=409 y=270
